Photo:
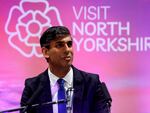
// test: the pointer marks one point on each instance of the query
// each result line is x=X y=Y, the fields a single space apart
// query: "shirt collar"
x=68 y=78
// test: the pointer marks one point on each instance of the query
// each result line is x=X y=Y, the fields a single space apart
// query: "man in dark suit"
x=56 y=44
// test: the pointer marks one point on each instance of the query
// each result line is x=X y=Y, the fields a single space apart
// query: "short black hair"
x=52 y=33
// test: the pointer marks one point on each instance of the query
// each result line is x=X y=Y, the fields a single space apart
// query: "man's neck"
x=60 y=72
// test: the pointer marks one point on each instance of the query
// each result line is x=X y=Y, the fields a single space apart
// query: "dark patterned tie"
x=61 y=95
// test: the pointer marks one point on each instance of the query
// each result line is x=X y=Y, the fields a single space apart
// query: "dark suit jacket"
x=88 y=96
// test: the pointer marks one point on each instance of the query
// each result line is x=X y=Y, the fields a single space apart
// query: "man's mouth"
x=67 y=58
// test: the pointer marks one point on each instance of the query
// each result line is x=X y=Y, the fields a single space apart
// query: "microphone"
x=106 y=94
x=29 y=105
x=33 y=105
x=69 y=99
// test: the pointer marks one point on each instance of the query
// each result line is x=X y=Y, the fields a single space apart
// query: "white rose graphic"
x=26 y=23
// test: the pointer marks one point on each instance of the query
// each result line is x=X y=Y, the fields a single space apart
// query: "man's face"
x=60 y=53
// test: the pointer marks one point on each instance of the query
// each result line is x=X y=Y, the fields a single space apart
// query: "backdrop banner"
x=111 y=38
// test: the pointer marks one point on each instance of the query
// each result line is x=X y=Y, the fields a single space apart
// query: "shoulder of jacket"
x=86 y=74
x=35 y=79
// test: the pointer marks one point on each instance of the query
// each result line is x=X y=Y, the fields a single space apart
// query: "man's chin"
x=67 y=65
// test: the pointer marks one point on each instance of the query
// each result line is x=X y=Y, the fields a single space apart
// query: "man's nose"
x=67 y=47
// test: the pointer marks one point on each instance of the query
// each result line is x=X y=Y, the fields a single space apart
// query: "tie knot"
x=61 y=82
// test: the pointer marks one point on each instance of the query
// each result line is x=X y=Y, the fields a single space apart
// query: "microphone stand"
x=24 y=108
x=70 y=99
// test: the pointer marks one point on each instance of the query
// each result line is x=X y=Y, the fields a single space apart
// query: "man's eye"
x=59 y=45
x=69 y=44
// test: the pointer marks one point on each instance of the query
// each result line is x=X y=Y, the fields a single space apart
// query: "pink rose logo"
x=26 y=23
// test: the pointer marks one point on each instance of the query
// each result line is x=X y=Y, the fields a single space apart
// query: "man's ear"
x=45 y=52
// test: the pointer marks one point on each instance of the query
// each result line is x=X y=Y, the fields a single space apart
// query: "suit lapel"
x=78 y=85
x=46 y=94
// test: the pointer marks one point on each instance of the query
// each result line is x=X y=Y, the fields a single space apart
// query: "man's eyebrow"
x=59 y=41
x=63 y=41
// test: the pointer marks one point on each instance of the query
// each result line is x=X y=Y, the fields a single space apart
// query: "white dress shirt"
x=54 y=86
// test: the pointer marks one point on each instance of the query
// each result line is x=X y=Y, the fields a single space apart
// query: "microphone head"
x=69 y=98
